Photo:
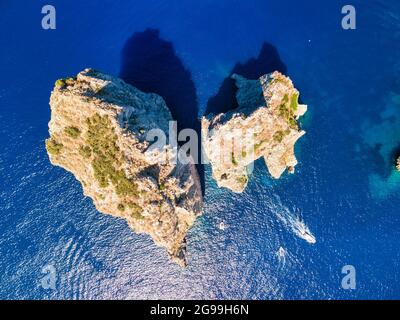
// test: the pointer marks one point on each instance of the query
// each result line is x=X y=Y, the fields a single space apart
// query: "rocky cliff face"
x=97 y=132
x=264 y=125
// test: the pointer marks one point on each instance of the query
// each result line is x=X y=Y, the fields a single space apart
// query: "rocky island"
x=264 y=125
x=97 y=132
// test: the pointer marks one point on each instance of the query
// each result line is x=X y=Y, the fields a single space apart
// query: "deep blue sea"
x=345 y=188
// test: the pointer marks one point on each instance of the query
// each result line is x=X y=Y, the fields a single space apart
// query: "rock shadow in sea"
x=151 y=64
x=381 y=148
x=267 y=61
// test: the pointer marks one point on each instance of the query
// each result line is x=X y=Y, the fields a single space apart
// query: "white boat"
x=307 y=235
x=281 y=252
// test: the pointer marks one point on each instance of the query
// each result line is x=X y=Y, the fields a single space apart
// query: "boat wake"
x=281 y=253
x=294 y=223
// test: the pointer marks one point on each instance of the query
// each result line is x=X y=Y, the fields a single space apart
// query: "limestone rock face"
x=264 y=125
x=98 y=132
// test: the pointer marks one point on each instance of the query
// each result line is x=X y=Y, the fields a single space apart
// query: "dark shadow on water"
x=395 y=155
x=375 y=160
x=151 y=64
x=267 y=61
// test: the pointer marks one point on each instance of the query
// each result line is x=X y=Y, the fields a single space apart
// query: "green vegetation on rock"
x=242 y=180
x=288 y=110
x=285 y=99
x=106 y=161
x=278 y=136
x=136 y=211
x=60 y=83
x=72 y=132
x=85 y=152
x=53 y=147
x=137 y=215
x=294 y=102
x=234 y=162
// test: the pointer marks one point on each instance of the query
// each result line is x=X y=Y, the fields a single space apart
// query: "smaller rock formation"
x=264 y=125
x=398 y=164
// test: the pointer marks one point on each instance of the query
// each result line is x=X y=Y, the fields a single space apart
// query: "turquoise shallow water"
x=344 y=189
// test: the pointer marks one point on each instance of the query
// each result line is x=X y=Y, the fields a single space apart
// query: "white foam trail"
x=281 y=253
x=295 y=224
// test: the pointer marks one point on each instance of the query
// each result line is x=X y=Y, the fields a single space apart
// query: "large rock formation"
x=264 y=125
x=97 y=131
